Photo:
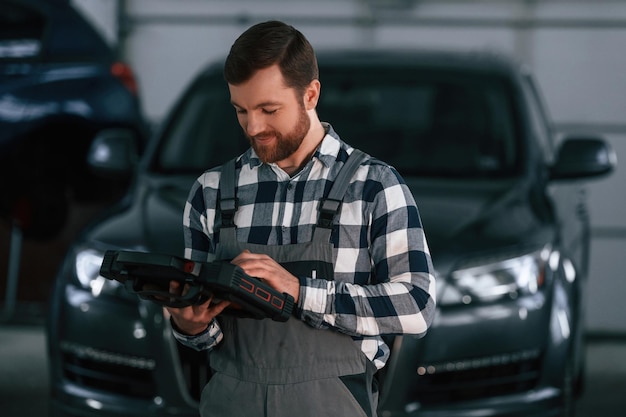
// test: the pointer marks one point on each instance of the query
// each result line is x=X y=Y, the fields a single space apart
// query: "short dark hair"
x=269 y=43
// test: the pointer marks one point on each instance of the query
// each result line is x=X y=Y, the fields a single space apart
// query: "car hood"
x=463 y=219
x=152 y=221
x=460 y=218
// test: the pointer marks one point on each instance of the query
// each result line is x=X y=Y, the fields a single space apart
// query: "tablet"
x=149 y=274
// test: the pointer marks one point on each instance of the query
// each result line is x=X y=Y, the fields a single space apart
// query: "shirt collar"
x=329 y=148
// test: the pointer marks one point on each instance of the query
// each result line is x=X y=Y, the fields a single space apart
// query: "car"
x=60 y=83
x=499 y=193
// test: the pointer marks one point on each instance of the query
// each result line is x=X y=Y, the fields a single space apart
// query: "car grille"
x=112 y=372
x=477 y=378
x=437 y=383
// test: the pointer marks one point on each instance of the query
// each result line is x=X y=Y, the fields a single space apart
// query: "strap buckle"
x=228 y=207
x=328 y=210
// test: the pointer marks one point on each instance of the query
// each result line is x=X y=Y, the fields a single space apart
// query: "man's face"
x=272 y=115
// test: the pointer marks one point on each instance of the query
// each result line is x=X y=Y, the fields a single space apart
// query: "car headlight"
x=494 y=279
x=87 y=267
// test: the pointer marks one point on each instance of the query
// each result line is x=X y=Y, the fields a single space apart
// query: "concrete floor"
x=605 y=389
x=24 y=379
x=23 y=371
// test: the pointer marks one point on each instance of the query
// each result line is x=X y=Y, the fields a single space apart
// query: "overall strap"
x=228 y=203
x=330 y=206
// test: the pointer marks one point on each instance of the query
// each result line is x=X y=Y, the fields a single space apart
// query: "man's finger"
x=218 y=307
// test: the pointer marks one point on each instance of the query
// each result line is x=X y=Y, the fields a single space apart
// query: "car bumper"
x=72 y=400
x=536 y=403
x=491 y=360
x=110 y=340
x=111 y=357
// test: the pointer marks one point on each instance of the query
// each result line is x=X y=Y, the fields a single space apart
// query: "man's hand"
x=267 y=269
x=194 y=319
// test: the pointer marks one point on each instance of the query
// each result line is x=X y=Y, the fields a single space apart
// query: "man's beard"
x=284 y=145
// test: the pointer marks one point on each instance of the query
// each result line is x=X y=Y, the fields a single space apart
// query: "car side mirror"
x=113 y=153
x=579 y=158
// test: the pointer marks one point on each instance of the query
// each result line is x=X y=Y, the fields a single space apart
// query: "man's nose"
x=255 y=124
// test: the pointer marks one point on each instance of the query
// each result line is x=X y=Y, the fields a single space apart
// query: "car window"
x=74 y=37
x=58 y=33
x=539 y=124
x=21 y=31
x=425 y=124
x=204 y=131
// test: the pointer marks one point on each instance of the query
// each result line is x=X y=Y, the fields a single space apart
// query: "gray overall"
x=287 y=369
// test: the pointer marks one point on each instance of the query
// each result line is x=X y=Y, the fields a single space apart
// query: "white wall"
x=577 y=50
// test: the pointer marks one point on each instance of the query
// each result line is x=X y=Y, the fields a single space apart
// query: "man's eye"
x=240 y=111
x=266 y=111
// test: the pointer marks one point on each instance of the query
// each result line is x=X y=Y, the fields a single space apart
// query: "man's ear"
x=312 y=95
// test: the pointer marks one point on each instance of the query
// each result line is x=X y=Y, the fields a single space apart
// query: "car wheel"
x=41 y=210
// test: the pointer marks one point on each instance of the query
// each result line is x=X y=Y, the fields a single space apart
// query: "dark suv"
x=501 y=205
x=59 y=85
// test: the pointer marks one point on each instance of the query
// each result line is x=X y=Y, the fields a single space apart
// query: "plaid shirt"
x=384 y=281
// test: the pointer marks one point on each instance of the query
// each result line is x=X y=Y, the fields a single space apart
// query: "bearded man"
x=354 y=258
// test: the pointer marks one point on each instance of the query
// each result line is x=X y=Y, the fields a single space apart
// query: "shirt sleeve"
x=399 y=294
x=198 y=218
x=206 y=340
x=198 y=247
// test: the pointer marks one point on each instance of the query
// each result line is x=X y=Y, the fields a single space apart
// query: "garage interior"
x=574 y=47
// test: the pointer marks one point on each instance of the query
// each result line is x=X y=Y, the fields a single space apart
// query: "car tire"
x=41 y=211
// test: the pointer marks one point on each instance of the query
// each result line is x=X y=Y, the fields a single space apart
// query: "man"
x=355 y=277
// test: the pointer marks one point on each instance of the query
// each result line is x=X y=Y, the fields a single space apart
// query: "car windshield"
x=425 y=124
x=21 y=30
x=57 y=33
